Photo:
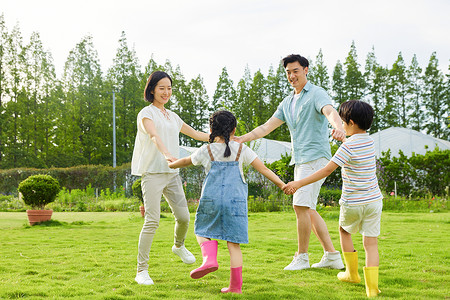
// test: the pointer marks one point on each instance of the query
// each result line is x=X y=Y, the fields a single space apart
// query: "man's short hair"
x=295 y=57
x=360 y=112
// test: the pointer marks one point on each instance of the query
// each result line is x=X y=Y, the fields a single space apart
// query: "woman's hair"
x=152 y=81
x=361 y=113
x=222 y=124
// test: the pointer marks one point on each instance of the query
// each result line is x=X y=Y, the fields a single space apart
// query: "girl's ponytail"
x=222 y=124
x=227 y=149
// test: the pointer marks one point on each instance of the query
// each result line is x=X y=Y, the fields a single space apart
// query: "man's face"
x=296 y=74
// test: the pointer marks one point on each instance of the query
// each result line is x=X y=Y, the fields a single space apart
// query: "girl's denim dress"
x=222 y=211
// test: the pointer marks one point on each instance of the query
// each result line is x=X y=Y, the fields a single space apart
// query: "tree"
x=85 y=113
x=414 y=93
x=434 y=102
x=3 y=49
x=397 y=107
x=378 y=94
x=40 y=86
x=318 y=72
x=225 y=94
x=16 y=104
x=124 y=77
x=277 y=89
x=339 y=94
x=353 y=81
x=240 y=107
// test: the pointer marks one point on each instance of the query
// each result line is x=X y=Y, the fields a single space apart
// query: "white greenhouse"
x=406 y=140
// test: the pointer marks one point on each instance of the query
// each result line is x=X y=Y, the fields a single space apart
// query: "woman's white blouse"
x=146 y=156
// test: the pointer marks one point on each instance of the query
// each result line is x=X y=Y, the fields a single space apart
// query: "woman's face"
x=162 y=92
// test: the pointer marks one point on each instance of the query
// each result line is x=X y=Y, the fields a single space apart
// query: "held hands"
x=237 y=139
x=338 y=135
x=169 y=158
x=291 y=187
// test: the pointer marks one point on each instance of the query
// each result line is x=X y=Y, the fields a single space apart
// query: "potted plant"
x=137 y=191
x=38 y=191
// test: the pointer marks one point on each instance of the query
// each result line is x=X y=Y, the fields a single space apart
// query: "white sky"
x=203 y=36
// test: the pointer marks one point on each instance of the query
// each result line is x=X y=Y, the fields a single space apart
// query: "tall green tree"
x=277 y=89
x=3 y=49
x=16 y=104
x=378 y=96
x=434 y=99
x=83 y=85
x=414 y=94
x=258 y=100
x=369 y=74
x=124 y=77
x=397 y=107
x=240 y=107
x=40 y=86
x=318 y=72
x=353 y=81
x=338 y=86
x=225 y=94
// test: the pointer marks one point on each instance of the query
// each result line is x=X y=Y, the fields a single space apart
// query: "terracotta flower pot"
x=40 y=215
x=142 y=209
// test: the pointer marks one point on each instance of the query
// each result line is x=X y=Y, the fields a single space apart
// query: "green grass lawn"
x=93 y=256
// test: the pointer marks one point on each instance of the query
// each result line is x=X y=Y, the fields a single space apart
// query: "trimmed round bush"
x=137 y=190
x=39 y=190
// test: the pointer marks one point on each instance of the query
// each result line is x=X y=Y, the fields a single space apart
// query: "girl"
x=156 y=144
x=222 y=212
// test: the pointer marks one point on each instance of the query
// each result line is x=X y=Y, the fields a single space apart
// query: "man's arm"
x=333 y=117
x=260 y=131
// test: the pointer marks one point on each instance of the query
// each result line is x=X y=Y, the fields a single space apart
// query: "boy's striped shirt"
x=356 y=156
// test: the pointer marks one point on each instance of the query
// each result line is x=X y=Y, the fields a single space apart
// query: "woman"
x=157 y=143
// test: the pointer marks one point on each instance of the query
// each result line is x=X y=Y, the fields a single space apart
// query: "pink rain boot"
x=209 y=253
x=235 y=281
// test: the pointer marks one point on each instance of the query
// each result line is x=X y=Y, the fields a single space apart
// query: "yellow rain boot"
x=371 y=279
x=351 y=268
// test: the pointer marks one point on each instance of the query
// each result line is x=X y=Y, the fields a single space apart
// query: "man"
x=306 y=111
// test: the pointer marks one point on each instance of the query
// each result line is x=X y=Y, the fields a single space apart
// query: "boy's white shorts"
x=363 y=218
x=307 y=195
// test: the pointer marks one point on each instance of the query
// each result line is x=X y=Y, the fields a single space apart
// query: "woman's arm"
x=181 y=163
x=293 y=186
x=261 y=168
x=196 y=135
x=150 y=128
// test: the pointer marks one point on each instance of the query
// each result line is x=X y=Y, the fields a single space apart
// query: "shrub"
x=329 y=197
x=137 y=190
x=39 y=190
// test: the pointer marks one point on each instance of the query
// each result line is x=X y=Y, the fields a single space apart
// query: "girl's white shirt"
x=146 y=156
x=201 y=156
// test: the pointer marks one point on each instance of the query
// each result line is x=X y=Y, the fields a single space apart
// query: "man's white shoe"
x=186 y=256
x=143 y=278
x=300 y=262
x=330 y=260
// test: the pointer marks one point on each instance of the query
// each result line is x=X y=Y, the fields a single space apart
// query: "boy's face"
x=351 y=128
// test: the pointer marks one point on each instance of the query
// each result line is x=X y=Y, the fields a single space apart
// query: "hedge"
x=79 y=177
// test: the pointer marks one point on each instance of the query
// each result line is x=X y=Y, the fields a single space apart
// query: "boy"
x=361 y=199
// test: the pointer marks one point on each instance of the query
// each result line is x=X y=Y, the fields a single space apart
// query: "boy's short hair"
x=360 y=112
x=293 y=58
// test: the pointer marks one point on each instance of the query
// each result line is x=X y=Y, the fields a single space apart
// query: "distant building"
x=406 y=140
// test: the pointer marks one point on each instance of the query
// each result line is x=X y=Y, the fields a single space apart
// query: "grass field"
x=93 y=256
